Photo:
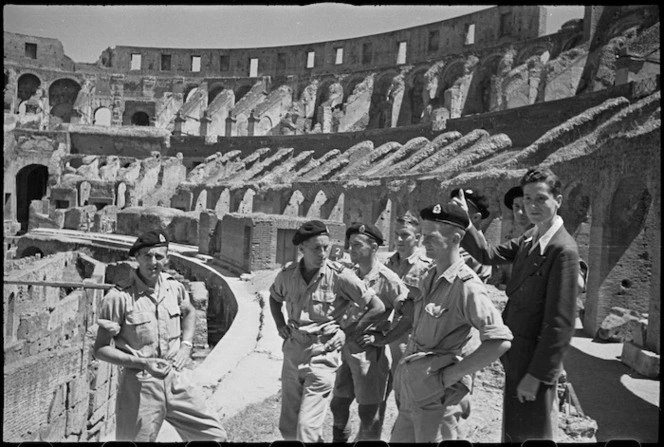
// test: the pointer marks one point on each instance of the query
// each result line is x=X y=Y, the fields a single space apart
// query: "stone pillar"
x=177 y=130
x=231 y=126
x=251 y=124
x=205 y=124
x=325 y=118
x=117 y=95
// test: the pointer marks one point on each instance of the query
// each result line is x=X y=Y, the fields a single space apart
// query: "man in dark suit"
x=541 y=307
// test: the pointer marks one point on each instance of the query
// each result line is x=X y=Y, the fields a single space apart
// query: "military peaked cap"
x=476 y=199
x=155 y=238
x=367 y=229
x=308 y=230
x=512 y=194
x=451 y=215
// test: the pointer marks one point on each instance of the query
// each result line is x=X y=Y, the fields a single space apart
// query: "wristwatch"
x=188 y=343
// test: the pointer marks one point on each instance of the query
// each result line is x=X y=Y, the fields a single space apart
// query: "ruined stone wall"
x=54 y=390
x=49 y=52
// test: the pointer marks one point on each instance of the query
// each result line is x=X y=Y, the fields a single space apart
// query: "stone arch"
x=626 y=217
x=413 y=103
x=619 y=27
x=31 y=184
x=213 y=91
x=140 y=118
x=530 y=51
x=314 y=211
x=27 y=86
x=103 y=116
x=322 y=95
x=61 y=97
x=29 y=252
x=189 y=92
x=201 y=201
x=246 y=205
x=381 y=107
x=264 y=126
x=571 y=43
x=350 y=84
x=294 y=204
x=84 y=193
x=120 y=199
x=240 y=91
x=223 y=204
x=384 y=219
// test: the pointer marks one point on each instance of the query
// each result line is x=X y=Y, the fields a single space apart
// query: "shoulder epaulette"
x=336 y=266
x=466 y=273
x=289 y=266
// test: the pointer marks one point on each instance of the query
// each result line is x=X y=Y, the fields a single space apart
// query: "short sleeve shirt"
x=453 y=312
x=324 y=299
x=410 y=269
x=388 y=287
x=145 y=322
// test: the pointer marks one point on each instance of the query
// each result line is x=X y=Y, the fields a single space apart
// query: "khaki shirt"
x=388 y=287
x=454 y=314
x=410 y=269
x=145 y=322
x=326 y=298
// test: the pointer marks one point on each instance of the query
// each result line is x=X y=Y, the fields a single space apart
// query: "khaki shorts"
x=364 y=374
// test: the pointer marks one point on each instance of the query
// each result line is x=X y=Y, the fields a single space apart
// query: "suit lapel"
x=524 y=265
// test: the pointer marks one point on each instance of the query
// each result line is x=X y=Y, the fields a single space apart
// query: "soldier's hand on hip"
x=182 y=356
x=337 y=341
x=158 y=368
x=284 y=331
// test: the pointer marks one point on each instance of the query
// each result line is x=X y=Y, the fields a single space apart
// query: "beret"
x=512 y=194
x=451 y=215
x=475 y=198
x=368 y=229
x=155 y=238
x=308 y=230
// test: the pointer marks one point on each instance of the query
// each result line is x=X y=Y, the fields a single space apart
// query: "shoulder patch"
x=466 y=273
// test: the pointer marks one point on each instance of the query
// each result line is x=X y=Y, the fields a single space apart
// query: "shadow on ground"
x=619 y=413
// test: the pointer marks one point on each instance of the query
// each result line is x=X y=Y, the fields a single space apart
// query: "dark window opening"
x=281 y=61
x=434 y=38
x=31 y=50
x=224 y=62
x=140 y=119
x=367 y=53
x=61 y=204
x=165 y=62
x=505 y=19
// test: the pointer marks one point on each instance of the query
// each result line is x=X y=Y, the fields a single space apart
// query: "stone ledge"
x=642 y=361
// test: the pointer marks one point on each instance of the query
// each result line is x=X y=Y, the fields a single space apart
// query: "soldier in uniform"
x=317 y=293
x=365 y=374
x=456 y=332
x=151 y=321
x=478 y=210
x=410 y=263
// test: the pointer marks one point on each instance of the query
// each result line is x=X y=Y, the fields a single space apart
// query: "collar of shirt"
x=371 y=274
x=544 y=240
x=452 y=271
x=319 y=274
x=141 y=287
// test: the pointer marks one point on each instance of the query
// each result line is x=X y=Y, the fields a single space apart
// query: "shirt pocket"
x=322 y=302
x=174 y=316
x=139 y=329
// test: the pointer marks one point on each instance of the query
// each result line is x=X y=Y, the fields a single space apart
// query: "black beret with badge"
x=474 y=198
x=452 y=215
x=513 y=193
x=308 y=230
x=367 y=229
x=154 y=238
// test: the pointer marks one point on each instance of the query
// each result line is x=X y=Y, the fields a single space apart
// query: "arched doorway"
x=61 y=96
x=27 y=86
x=103 y=116
x=140 y=119
x=31 y=182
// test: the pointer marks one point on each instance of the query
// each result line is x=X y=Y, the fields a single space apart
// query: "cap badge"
x=162 y=238
x=362 y=229
x=437 y=209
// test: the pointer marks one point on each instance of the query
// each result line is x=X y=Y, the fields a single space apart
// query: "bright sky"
x=85 y=31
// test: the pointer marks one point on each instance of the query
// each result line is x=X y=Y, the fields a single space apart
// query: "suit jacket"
x=541 y=306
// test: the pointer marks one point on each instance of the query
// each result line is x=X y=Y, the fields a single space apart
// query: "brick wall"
x=54 y=389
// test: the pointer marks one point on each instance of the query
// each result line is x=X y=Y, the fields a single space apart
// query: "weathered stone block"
x=118 y=271
x=95 y=420
x=199 y=295
x=57 y=406
x=76 y=419
x=616 y=326
x=55 y=430
x=32 y=326
x=77 y=390
x=642 y=361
